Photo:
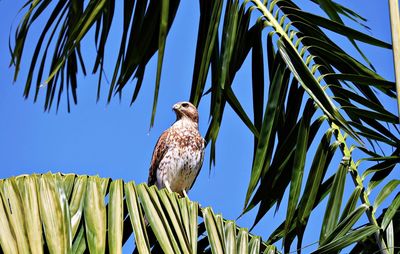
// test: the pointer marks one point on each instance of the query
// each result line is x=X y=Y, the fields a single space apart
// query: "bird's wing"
x=201 y=161
x=159 y=151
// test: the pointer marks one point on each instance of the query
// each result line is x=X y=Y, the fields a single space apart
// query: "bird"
x=179 y=152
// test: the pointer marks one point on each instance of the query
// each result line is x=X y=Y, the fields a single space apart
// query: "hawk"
x=179 y=152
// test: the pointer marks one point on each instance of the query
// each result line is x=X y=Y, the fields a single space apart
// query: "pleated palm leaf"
x=58 y=213
x=317 y=93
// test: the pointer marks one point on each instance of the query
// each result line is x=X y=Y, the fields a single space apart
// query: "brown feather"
x=159 y=151
x=201 y=163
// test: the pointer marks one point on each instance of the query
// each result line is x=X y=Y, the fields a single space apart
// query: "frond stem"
x=395 y=27
x=358 y=182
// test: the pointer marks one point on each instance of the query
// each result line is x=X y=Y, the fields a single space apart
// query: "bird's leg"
x=168 y=187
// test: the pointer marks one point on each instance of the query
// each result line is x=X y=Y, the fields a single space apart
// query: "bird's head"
x=186 y=109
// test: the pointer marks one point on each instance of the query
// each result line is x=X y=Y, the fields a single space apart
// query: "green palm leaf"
x=173 y=220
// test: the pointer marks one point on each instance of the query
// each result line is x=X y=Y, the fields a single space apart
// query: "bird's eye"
x=185 y=105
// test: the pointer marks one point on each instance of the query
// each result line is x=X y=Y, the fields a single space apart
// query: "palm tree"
x=316 y=93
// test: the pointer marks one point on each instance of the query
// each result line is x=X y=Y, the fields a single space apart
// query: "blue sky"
x=115 y=140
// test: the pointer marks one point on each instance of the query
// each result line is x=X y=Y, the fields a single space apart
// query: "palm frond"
x=71 y=213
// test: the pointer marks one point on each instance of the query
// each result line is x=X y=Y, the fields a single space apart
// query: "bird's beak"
x=176 y=107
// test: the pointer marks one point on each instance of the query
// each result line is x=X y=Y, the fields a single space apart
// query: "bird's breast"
x=182 y=160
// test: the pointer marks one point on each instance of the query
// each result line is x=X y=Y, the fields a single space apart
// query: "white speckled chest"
x=183 y=158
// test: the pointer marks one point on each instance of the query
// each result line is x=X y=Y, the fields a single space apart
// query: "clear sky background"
x=115 y=141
